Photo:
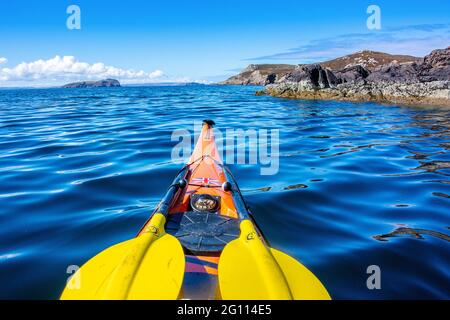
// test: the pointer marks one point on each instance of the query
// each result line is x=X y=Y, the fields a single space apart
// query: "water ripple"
x=82 y=169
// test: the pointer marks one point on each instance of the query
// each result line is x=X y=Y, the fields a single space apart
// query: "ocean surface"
x=359 y=184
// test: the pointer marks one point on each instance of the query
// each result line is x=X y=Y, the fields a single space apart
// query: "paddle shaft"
x=164 y=205
x=239 y=202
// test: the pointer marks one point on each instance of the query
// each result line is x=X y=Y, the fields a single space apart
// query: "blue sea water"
x=359 y=184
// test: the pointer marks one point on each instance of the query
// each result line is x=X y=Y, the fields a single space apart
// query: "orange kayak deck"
x=205 y=175
x=203 y=215
x=204 y=230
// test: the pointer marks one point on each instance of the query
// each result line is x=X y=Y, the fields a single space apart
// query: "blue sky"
x=152 y=41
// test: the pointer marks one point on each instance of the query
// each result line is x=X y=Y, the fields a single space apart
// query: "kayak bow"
x=201 y=242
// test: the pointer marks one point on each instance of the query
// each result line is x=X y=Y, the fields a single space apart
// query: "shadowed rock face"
x=312 y=77
x=352 y=74
x=93 y=84
x=436 y=66
x=394 y=72
x=423 y=82
x=315 y=77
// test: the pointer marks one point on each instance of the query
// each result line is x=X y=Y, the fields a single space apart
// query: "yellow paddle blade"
x=150 y=266
x=249 y=270
x=303 y=283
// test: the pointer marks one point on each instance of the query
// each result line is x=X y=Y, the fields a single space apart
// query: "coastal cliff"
x=418 y=82
x=264 y=74
x=93 y=84
x=260 y=74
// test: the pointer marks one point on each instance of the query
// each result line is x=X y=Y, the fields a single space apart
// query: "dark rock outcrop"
x=423 y=82
x=352 y=74
x=93 y=84
x=313 y=77
x=395 y=72
x=435 y=66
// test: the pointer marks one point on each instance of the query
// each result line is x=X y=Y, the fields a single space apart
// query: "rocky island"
x=369 y=76
x=93 y=84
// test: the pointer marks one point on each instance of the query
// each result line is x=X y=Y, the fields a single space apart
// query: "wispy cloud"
x=416 y=40
x=3 y=60
x=68 y=68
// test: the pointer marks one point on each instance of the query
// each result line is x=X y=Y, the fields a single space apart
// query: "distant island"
x=362 y=76
x=93 y=84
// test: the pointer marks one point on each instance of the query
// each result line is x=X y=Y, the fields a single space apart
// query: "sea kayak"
x=200 y=242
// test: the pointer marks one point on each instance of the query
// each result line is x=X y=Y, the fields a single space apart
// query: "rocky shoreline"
x=424 y=82
x=436 y=93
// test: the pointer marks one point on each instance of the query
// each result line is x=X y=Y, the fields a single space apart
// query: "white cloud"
x=156 y=74
x=68 y=68
x=3 y=60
